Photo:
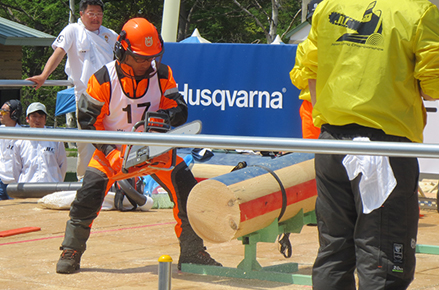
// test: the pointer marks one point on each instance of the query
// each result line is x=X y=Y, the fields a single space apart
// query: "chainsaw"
x=140 y=160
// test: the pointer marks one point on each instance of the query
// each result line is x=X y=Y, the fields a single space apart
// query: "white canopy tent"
x=195 y=38
x=277 y=40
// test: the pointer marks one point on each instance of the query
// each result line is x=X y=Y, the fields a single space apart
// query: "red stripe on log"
x=273 y=201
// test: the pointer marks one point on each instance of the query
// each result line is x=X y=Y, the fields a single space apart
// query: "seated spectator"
x=10 y=114
x=39 y=161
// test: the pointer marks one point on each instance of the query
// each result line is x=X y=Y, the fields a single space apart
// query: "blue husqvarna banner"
x=238 y=89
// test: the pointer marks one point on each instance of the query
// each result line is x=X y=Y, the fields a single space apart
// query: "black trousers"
x=381 y=244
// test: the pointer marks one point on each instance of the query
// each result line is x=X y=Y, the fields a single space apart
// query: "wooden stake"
x=19 y=231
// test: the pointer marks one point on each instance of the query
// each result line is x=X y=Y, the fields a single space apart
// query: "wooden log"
x=206 y=171
x=241 y=202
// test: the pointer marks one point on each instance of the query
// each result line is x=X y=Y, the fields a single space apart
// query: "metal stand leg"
x=249 y=267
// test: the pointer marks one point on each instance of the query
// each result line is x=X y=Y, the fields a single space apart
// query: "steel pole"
x=72 y=11
x=165 y=263
x=226 y=142
x=171 y=12
x=24 y=83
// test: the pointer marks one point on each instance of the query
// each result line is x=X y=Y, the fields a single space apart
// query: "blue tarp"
x=65 y=102
x=234 y=89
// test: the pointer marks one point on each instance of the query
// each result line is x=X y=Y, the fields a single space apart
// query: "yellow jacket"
x=370 y=59
x=297 y=74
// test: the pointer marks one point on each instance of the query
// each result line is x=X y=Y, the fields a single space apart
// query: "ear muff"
x=15 y=114
x=119 y=51
x=161 y=40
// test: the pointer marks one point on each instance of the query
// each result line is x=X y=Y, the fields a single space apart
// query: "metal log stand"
x=427 y=249
x=249 y=268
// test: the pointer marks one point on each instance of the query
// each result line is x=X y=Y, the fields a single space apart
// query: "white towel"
x=377 y=181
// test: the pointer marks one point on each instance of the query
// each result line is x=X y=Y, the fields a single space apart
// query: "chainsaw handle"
x=157 y=121
x=137 y=125
x=154 y=120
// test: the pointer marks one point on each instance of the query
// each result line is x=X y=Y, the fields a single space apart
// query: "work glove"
x=115 y=160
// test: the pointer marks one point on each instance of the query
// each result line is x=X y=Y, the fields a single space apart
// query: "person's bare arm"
x=51 y=64
x=426 y=97
x=312 y=90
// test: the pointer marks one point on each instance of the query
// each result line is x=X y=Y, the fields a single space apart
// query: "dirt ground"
x=124 y=248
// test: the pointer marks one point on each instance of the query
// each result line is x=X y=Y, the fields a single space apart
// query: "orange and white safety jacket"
x=115 y=102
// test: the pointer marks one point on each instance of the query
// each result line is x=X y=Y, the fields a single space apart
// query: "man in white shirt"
x=10 y=114
x=39 y=161
x=88 y=46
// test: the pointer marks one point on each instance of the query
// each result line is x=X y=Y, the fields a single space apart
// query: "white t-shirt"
x=40 y=161
x=87 y=51
x=7 y=147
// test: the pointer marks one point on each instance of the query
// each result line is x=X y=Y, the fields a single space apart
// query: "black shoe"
x=200 y=258
x=68 y=261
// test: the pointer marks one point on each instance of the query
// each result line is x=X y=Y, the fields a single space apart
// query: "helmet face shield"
x=140 y=58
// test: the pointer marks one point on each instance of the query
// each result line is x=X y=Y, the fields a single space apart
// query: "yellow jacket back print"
x=387 y=57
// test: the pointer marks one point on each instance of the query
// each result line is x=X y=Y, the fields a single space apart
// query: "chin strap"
x=126 y=71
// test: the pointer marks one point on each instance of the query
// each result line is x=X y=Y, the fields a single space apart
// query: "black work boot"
x=69 y=261
x=198 y=257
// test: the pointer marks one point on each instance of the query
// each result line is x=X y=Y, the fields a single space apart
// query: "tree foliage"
x=238 y=21
x=48 y=16
x=228 y=21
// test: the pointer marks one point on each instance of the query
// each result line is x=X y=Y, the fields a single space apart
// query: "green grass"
x=71 y=177
x=72 y=152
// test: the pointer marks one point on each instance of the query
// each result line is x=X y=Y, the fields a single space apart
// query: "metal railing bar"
x=226 y=142
x=24 y=83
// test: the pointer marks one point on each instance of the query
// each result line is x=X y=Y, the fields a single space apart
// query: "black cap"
x=312 y=7
x=16 y=109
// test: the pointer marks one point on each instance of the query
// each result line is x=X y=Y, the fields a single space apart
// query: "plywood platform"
x=124 y=248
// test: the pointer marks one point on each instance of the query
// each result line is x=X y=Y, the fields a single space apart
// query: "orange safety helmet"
x=139 y=37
